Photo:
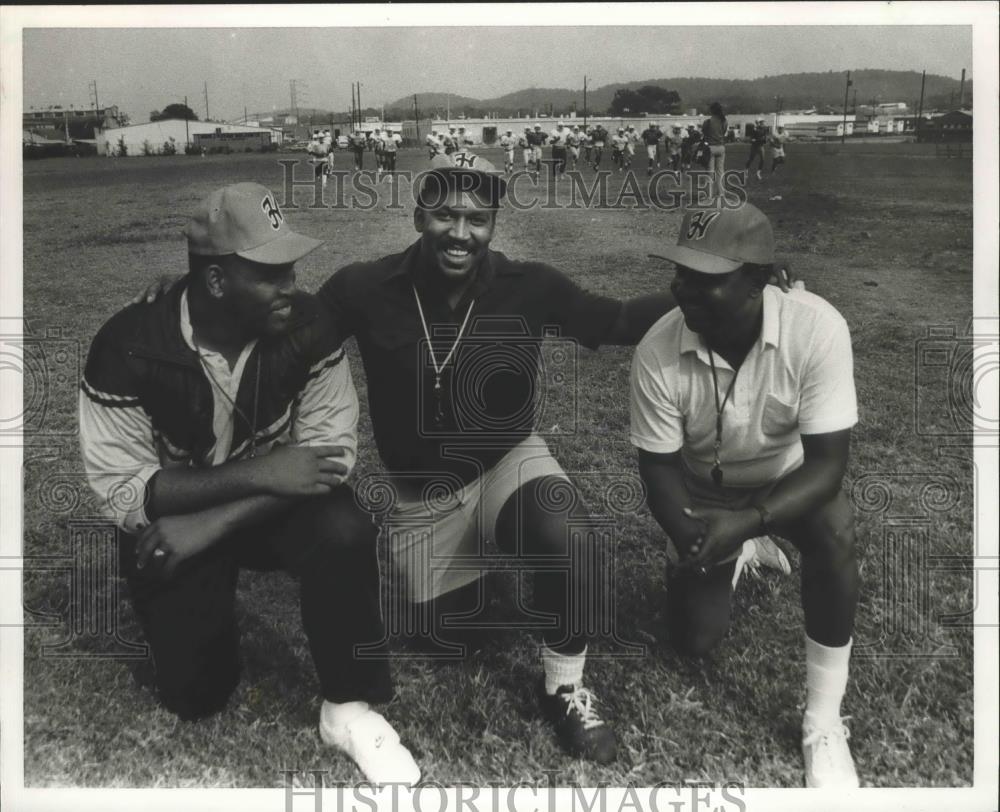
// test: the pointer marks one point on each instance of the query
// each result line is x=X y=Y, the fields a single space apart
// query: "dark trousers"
x=328 y=544
x=558 y=160
x=756 y=154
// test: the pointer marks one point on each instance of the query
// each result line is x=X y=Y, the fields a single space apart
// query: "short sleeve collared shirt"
x=490 y=385
x=797 y=379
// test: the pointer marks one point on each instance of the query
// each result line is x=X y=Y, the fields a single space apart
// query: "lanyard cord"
x=427 y=335
x=717 y=468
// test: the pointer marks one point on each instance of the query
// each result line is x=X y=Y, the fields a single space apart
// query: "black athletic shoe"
x=581 y=732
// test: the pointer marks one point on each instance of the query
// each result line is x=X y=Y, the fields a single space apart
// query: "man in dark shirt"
x=359 y=143
x=651 y=138
x=758 y=137
x=536 y=140
x=449 y=333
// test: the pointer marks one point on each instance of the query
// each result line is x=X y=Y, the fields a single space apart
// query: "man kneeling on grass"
x=230 y=400
x=742 y=404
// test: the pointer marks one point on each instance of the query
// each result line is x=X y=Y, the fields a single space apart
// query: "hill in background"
x=796 y=90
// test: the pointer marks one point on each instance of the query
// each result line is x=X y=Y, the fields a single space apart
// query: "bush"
x=147 y=149
x=192 y=149
x=122 y=147
x=169 y=147
x=269 y=147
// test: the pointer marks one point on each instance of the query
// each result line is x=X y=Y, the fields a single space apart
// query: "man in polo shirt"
x=742 y=403
x=230 y=402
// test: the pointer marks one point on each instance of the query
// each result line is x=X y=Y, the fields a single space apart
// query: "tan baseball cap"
x=717 y=241
x=244 y=219
x=486 y=177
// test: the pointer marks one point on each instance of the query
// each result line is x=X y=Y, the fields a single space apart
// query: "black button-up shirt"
x=487 y=398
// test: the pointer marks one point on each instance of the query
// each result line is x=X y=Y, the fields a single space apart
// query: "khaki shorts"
x=705 y=494
x=437 y=542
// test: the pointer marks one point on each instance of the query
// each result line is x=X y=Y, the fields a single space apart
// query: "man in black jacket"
x=228 y=403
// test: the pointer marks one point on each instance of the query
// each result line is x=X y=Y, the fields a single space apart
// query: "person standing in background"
x=714 y=131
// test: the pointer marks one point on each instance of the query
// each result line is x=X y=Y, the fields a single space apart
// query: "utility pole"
x=854 y=103
x=360 y=108
x=843 y=133
x=416 y=116
x=961 y=91
x=206 y=102
x=97 y=106
x=585 y=103
x=354 y=110
x=187 y=133
x=920 y=109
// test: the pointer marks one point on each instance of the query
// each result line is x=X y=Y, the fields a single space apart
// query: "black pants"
x=328 y=544
x=558 y=160
x=699 y=607
x=756 y=154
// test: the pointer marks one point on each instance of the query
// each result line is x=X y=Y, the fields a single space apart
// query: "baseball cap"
x=486 y=177
x=244 y=219
x=717 y=241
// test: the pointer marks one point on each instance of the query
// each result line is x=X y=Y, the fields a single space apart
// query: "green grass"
x=884 y=233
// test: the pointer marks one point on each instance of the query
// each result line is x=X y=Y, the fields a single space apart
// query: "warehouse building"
x=159 y=137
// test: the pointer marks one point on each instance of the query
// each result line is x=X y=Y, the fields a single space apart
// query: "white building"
x=174 y=131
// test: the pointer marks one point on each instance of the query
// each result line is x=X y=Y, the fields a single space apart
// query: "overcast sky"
x=145 y=69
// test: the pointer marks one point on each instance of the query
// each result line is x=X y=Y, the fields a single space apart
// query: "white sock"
x=826 y=682
x=562 y=669
x=337 y=714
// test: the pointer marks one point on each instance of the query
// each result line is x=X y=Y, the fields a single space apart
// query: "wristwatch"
x=765 y=518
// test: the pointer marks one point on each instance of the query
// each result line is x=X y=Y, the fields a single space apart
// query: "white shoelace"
x=825 y=739
x=581 y=701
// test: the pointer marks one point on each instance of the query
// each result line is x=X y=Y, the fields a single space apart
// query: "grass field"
x=884 y=232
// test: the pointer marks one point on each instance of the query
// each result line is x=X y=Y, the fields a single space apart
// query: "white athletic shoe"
x=829 y=764
x=761 y=552
x=759 y=176
x=373 y=744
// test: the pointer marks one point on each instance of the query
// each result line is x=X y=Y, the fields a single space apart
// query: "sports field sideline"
x=884 y=232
